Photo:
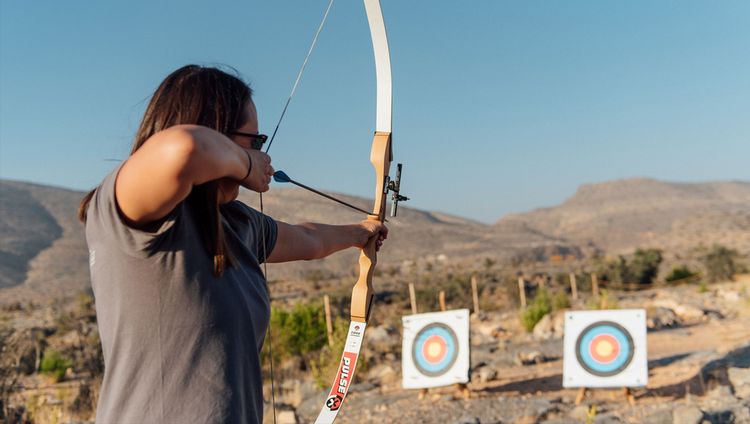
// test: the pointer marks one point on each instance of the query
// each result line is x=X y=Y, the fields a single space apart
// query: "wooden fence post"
x=595 y=286
x=573 y=286
x=522 y=291
x=412 y=298
x=475 y=293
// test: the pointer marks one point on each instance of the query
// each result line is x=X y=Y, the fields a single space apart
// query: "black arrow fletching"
x=281 y=177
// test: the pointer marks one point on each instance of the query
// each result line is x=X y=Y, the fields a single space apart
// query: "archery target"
x=605 y=349
x=435 y=349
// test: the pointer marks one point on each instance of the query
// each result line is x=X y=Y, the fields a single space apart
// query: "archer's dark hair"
x=204 y=96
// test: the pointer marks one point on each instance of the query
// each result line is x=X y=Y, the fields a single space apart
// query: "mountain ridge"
x=43 y=249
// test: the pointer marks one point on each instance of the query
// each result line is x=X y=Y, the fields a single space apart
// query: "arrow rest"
x=394 y=186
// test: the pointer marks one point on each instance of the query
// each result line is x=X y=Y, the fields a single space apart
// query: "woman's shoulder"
x=105 y=221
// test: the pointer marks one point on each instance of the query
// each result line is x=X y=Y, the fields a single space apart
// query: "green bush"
x=456 y=287
x=540 y=306
x=299 y=331
x=680 y=273
x=642 y=268
x=720 y=263
x=54 y=364
x=645 y=265
x=560 y=301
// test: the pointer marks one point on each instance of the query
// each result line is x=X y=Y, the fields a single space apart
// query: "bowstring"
x=260 y=196
x=268 y=290
x=299 y=74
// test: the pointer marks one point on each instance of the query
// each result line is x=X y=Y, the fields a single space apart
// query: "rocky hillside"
x=43 y=251
x=621 y=215
x=42 y=244
x=417 y=236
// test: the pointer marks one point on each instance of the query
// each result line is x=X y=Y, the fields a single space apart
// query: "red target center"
x=604 y=348
x=434 y=349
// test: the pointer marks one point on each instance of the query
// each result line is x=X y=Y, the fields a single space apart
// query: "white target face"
x=435 y=349
x=605 y=349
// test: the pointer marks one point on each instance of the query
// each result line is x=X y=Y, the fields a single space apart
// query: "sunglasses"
x=257 y=139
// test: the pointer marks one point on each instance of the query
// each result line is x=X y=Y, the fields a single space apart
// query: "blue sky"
x=499 y=106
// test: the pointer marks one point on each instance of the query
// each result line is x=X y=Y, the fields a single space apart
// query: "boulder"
x=484 y=374
x=294 y=392
x=551 y=326
x=729 y=295
x=530 y=358
x=658 y=317
x=384 y=374
x=488 y=328
x=740 y=379
x=378 y=334
x=687 y=314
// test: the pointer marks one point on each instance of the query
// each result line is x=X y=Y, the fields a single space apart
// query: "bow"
x=380 y=157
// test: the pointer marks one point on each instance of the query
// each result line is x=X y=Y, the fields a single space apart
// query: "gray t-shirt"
x=180 y=345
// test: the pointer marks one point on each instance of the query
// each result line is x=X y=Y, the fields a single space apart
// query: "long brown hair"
x=204 y=96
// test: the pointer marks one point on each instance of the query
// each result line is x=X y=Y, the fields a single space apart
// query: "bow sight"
x=394 y=186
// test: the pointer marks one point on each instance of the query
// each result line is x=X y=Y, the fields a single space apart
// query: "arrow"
x=282 y=177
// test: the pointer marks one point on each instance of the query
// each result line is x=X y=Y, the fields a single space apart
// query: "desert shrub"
x=642 y=268
x=299 y=331
x=720 y=263
x=560 y=301
x=54 y=364
x=562 y=279
x=457 y=291
x=457 y=288
x=680 y=273
x=614 y=271
x=645 y=265
x=540 y=306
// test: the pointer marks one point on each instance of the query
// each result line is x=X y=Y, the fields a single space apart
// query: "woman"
x=182 y=304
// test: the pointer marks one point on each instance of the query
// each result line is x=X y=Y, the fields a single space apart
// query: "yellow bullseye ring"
x=604 y=348
x=434 y=350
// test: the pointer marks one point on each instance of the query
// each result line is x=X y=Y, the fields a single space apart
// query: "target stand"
x=435 y=349
x=605 y=349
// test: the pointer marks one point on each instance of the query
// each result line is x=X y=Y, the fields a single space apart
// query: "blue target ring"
x=604 y=348
x=435 y=349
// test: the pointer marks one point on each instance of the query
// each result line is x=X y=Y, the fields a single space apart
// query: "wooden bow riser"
x=380 y=157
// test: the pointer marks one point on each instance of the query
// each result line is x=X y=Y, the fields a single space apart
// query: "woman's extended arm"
x=162 y=172
x=314 y=241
